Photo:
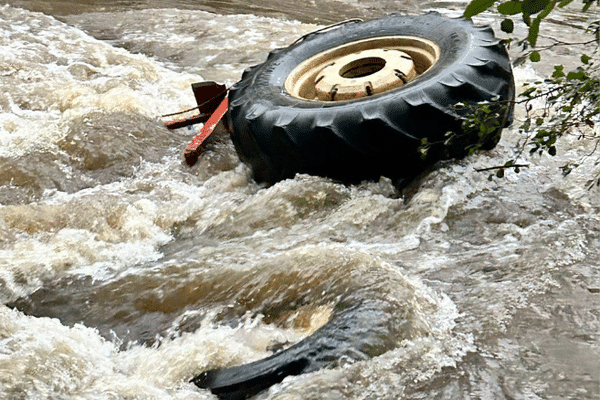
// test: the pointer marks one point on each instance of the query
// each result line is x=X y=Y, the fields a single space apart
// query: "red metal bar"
x=208 y=97
x=182 y=122
x=194 y=149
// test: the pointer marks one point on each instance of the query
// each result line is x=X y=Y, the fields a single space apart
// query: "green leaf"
x=542 y=134
x=575 y=75
x=548 y=9
x=535 y=56
x=531 y=7
x=534 y=30
x=510 y=8
x=528 y=92
x=539 y=121
x=564 y=3
x=477 y=6
x=507 y=25
x=568 y=168
x=552 y=151
x=558 y=71
x=500 y=173
x=585 y=58
x=587 y=5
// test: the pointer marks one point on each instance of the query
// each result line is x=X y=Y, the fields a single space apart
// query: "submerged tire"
x=296 y=113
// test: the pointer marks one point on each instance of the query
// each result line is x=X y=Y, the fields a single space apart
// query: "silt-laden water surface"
x=124 y=272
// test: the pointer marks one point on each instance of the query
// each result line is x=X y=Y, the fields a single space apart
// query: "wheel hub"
x=364 y=73
x=362 y=68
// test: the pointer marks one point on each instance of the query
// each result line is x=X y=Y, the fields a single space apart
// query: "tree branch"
x=502 y=167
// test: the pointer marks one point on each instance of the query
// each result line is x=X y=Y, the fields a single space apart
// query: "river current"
x=124 y=272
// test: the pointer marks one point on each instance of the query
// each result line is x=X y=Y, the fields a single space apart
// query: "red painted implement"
x=194 y=149
x=212 y=103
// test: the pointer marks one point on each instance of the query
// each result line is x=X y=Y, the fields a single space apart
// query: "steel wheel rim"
x=301 y=82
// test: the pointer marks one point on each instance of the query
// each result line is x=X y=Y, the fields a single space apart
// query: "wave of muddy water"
x=124 y=273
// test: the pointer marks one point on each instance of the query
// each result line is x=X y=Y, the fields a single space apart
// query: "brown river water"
x=124 y=272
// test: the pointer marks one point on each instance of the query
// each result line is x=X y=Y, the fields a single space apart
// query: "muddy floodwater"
x=124 y=272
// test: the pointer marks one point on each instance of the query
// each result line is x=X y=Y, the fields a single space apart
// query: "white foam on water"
x=466 y=286
x=53 y=73
x=40 y=358
x=386 y=376
x=107 y=230
x=218 y=47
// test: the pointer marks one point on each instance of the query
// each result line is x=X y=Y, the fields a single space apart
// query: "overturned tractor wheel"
x=357 y=102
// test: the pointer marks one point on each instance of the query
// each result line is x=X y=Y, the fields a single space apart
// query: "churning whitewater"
x=124 y=273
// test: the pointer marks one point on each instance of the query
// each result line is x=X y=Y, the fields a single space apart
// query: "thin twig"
x=502 y=167
x=561 y=43
x=180 y=112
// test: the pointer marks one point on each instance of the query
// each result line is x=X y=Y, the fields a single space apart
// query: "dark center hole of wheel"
x=362 y=67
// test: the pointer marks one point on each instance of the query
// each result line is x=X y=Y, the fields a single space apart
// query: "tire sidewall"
x=450 y=35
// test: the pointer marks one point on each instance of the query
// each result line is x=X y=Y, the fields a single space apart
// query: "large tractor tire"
x=365 y=99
